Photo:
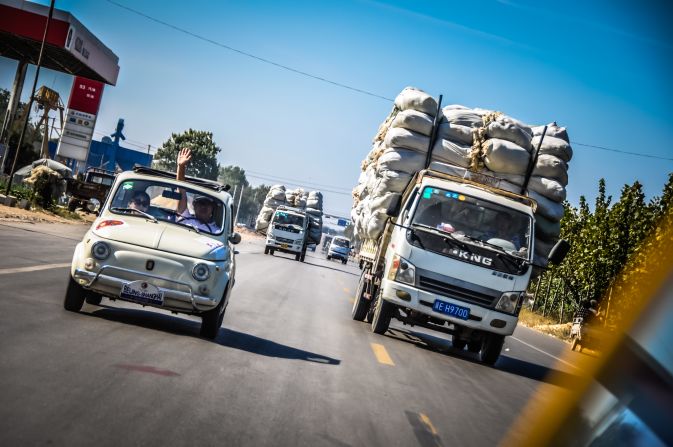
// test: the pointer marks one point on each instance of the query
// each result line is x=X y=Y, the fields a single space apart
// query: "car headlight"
x=402 y=270
x=201 y=272
x=100 y=250
x=509 y=302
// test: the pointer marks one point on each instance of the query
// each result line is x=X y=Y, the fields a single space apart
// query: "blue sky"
x=600 y=68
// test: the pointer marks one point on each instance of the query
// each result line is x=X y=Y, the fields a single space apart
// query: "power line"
x=312 y=184
x=603 y=148
x=250 y=55
x=298 y=183
x=323 y=79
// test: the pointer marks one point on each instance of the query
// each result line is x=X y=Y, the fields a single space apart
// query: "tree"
x=232 y=176
x=204 y=154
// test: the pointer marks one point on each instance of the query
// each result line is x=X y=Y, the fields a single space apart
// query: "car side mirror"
x=235 y=238
x=394 y=206
x=559 y=252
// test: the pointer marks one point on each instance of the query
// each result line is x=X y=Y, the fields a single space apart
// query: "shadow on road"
x=226 y=337
x=261 y=346
x=505 y=363
x=306 y=262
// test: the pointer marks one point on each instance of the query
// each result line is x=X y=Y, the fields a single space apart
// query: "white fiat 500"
x=159 y=242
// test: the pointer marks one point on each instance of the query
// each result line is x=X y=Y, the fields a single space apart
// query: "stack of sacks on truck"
x=475 y=140
x=311 y=202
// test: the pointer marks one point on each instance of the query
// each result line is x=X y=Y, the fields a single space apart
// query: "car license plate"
x=284 y=245
x=142 y=292
x=451 y=309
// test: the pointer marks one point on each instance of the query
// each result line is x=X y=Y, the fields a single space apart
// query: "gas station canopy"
x=70 y=46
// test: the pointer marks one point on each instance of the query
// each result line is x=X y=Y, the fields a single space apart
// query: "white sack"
x=390 y=181
x=506 y=128
x=408 y=139
x=416 y=99
x=554 y=146
x=404 y=160
x=273 y=203
x=505 y=157
x=464 y=117
x=455 y=133
x=447 y=151
x=414 y=120
x=547 y=208
x=376 y=223
x=552 y=131
x=549 y=188
x=551 y=167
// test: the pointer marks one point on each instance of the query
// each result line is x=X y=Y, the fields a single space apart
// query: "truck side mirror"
x=235 y=238
x=394 y=206
x=559 y=252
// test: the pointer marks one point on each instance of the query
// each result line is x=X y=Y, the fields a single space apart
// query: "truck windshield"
x=475 y=221
x=284 y=218
x=340 y=243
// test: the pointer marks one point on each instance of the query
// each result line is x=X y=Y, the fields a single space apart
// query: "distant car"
x=90 y=191
x=156 y=257
x=339 y=248
x=312 y=247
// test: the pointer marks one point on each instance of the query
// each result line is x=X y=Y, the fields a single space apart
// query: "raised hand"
x=184 y=156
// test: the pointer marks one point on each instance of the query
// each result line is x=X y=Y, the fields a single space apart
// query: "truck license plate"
x=142 y=292
x=284 y=245
x=451 y=309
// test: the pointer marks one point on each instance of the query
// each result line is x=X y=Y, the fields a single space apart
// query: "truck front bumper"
x=481 y=318
x=284 y=247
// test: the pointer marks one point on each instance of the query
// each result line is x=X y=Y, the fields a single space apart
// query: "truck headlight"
x=509 y=302
x=100 y=250
x=201 y=272
x=402 y=271
x=299 y=241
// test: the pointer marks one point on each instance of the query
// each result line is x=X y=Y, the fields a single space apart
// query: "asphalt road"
x=289 y=366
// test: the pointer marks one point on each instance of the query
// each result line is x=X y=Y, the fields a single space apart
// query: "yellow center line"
x=381 y=354
x=428 y=423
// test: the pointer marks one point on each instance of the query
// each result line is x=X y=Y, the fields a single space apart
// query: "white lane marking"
x=544 y=352
x=34 y=268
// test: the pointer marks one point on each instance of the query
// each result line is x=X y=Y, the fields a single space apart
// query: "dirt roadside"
x=20 y=215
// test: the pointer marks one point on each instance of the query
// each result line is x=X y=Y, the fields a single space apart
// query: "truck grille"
x=449 y=290
x=282 y=240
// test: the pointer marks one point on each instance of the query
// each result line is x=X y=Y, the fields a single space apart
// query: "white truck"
x=455 y=256
x=288 y=232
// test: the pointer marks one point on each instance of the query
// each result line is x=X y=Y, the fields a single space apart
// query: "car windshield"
x=284 y=218
x=474 y=221
x=169 y=203
x=340 y=242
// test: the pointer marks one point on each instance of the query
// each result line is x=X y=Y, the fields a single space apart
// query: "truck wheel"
x=266 y=250
x=94 y=298
x=457 y=343
x=383 y=313
x=490 y=348
x=297 y=257
x=271 y=251
x=344 y=261
x=72 y=205
x=575 y=343
x=329 y=258
x=74 y=296
x=474 y=345
x=212 y=320
x=303 y=256
x=361 y=305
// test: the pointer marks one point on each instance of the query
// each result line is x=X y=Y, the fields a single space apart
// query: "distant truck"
x=455 y=256
x=288 y=232
x=339 y=248
x=90 y=191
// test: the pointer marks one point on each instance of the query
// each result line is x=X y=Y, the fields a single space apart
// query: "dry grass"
x=545 y=325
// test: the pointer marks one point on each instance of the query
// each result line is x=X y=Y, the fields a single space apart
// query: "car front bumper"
x=422 y=301
x=179 y=297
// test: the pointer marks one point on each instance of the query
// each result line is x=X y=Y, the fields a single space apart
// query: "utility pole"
x=32 y=97
x=239 y=203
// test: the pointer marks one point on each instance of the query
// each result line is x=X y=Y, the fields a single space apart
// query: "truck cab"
x=455 y=257
x=288 y=232
x=339 y=248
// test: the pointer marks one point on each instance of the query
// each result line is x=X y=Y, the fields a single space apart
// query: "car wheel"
x=266 y=250
x=329 y=258
x=211 y=321
x=361 y=304
x=94 y=298
x=383 y=312
x=72 y=205
x=74 y=296
x=490 y=348
x=344 y=262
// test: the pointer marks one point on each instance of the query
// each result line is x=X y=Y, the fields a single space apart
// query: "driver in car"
x=202 y=219
x=140 y=201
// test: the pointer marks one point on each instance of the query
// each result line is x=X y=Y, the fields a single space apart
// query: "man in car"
x=202 y=219
x=140 y=201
